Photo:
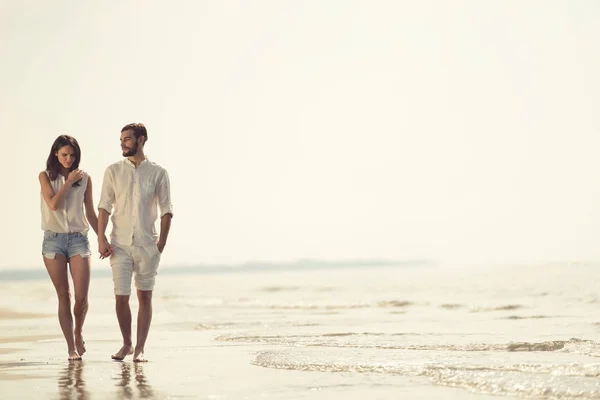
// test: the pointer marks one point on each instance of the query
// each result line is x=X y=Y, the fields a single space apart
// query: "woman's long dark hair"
x=53 y=166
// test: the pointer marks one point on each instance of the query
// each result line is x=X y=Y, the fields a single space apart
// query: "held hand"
x=104 y=248
x=161 y=246
x=74 y=176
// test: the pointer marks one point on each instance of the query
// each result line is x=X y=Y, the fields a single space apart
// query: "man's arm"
x=107 y=199
x=166 y=210
x=102 y=223
x=165 y=226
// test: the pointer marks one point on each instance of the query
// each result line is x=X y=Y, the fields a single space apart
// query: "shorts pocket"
x=49 y=235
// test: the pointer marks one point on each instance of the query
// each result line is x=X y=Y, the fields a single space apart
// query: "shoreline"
x=22 y=274
x=186 y=367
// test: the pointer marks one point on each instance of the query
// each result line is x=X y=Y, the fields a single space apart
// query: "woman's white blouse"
x=69 y=217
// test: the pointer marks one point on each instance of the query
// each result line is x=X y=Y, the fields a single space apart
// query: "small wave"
x=280 y=288
x=332 y=340
x=528 y=317
x=325 y=307
x=543 y=346
x=205 y=327
x=343 y=334
x=295 y=339
x=451 y=306
x=346 y=306
x=379 y=304
x=520 y=384
x=508 y=307
x=573 y=345
x=394 y=303
x=356 y=340
x=297 y=306
x=572 y=381
x=286 y=360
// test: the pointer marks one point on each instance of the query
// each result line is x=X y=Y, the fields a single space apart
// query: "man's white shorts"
x=127 y=260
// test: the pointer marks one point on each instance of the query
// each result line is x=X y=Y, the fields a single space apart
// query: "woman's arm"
x=88 y=202
x=55 y=200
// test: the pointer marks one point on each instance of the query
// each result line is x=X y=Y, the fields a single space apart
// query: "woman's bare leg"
x=57 y=269
x=80 y=272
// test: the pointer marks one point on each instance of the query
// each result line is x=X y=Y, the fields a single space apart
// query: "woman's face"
x=66 y=156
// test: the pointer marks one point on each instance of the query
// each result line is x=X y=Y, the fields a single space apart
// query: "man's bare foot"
x=79 y=344
x=121 y=354
x=74 y=356
x=139 y=357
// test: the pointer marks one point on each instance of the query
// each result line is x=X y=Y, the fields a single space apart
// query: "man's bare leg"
x=143 y=323
x=124 y=318
x=80 y=272
x=57 y=269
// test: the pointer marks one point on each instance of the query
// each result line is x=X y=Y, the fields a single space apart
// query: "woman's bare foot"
x=121 y=354
x=139 y=356
x=79 y=344
x=74 y=356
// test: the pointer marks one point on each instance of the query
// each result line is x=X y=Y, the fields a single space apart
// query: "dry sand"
x=11 y=314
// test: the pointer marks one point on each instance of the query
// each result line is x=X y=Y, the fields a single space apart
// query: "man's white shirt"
x=133 y=197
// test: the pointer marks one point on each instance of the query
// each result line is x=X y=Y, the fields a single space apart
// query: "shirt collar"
x=128 y=162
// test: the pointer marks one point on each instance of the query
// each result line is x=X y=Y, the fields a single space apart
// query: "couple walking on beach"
x=133 y=191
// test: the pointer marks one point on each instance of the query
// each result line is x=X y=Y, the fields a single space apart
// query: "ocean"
x=415 y=331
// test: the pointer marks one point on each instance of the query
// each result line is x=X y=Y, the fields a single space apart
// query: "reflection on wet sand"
x=124 y=381
x=141 y=382
x=71 y=384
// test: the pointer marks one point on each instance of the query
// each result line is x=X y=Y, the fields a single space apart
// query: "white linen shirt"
x=135 y=193
x=69 y=217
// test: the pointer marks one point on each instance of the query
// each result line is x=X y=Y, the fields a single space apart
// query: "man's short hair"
x=138 y=130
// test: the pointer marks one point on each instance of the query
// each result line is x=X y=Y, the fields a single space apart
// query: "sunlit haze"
x=452 y=131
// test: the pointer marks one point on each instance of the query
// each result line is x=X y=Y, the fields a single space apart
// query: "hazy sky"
x=459 y=131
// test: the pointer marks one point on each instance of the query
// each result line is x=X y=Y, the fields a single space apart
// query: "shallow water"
x=528 y=332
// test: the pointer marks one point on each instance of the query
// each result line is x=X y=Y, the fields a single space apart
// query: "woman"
x=65 y=191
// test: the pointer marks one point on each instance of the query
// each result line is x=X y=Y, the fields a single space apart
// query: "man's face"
x=129 y=144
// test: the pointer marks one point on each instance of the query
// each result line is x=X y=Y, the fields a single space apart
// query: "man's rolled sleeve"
x=107 y=197
x=164 y=196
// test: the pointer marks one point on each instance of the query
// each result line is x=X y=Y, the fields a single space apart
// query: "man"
x=133 y=188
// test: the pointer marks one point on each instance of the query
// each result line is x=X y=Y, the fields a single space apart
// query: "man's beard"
x=131 y=152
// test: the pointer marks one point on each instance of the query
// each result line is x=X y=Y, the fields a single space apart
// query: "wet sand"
x=190 y=365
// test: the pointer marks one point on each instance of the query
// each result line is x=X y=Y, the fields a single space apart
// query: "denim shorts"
x=67 y=244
